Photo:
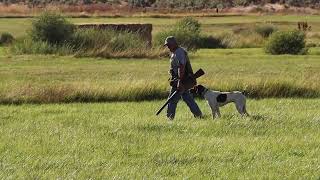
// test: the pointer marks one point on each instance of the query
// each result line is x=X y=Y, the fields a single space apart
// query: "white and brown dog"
x=217 y=99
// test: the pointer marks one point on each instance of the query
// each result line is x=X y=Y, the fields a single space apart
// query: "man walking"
x=180 y=68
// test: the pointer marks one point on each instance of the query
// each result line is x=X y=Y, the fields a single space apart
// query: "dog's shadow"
x=251 y=117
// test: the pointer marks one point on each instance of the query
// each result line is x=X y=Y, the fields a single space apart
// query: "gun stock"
x=190 y=81
x=198 y=74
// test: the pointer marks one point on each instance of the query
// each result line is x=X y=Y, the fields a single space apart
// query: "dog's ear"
x=200 y=89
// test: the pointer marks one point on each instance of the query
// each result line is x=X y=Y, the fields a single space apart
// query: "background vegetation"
x=55 y=79
x=51 y=33
x=198 y=4
x=290 y=42
x=6 y=38
x=217 y=27
x=142 y=79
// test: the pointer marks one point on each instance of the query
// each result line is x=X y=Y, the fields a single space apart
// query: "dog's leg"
x=215 y=111
x=245 y=110
x=218 y=112
x=239 y=108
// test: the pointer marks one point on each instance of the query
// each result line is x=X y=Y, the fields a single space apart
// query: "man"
x=180 y=68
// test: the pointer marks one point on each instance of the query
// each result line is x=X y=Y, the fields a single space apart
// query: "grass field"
x=126 y=140
x=52 y=126
x=47 y=79
x=211 y=25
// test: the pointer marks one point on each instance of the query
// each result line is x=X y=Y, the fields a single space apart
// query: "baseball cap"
x=170 y=40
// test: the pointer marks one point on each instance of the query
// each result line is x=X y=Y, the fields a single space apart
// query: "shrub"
x=188 y=24
x=240 y=30
x=210 y=42
x=51 y=28
x=286 y=42
x=186 y=31
x=265 y=30
x=6 y=38
x=186 y=39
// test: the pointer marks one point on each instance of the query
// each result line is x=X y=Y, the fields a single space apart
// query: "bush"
x=6 y=38
x=51 y=28
x=286 y=42
x=185 y=39
x=240 y=30
x=186 y=32
x=265 y=30
x=210 y=42
x=52 y=34
x=189 y=24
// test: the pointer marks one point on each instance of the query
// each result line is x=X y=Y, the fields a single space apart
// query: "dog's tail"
x=245 y=93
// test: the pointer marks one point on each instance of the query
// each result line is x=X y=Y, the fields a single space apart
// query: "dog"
x=217 y=99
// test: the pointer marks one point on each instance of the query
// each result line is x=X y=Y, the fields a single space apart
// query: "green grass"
x=211 y=25
x=126 y=140
x=48 y=79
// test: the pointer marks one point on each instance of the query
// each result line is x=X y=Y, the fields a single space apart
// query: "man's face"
x=172 y=47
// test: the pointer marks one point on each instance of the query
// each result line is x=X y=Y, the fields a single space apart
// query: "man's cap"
x=170 y=40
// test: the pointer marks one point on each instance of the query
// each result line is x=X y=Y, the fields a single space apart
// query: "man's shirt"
x=179 y=57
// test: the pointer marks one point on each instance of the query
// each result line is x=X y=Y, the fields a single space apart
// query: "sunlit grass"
x=47 y=79
x=211 y=25
x=126 y=140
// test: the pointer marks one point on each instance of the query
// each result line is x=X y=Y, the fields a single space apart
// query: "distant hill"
x=195 y=4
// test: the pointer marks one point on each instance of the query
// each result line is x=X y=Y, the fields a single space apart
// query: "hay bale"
x=143 y=30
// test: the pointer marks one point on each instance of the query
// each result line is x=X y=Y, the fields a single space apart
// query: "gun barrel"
x=167 y=102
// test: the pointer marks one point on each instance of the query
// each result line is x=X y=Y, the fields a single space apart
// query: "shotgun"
x=188 y=83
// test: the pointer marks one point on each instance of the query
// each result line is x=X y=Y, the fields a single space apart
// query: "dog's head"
x=199 y=90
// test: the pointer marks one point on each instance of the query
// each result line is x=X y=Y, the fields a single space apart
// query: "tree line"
x=198 y=4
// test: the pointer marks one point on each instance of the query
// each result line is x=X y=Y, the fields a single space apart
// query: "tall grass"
x=27 y=46
x=232 y=40
x=91 y=42
x=141 y=91
x=65 y=79
x=108 y=43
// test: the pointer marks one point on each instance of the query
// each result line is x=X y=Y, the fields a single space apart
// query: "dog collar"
x=205 y=91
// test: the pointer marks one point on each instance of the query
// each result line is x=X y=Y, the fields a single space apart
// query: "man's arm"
x=181 y=71
x=182 y=65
